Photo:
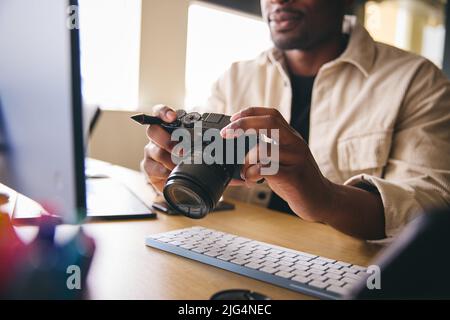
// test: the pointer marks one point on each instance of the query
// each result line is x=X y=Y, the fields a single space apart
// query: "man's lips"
x=282 y=20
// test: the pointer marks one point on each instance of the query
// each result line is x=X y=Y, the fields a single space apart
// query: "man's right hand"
x=157 y=163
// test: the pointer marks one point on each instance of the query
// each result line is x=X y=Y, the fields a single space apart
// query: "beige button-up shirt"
x=379 y=115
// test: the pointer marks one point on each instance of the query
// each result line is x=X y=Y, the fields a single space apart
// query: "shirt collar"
x=360 y=50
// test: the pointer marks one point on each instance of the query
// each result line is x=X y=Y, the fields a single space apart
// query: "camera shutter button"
x=180 y=113
x=191 y=118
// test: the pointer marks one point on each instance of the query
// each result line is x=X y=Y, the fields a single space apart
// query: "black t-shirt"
x=300 y=110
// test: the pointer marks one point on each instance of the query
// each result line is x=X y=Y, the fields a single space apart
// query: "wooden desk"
x=124 y=268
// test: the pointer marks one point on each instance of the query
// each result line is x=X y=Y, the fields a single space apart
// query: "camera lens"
x=195 y=189
x=184 y=197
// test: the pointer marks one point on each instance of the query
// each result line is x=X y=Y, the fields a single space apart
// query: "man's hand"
x=300 y=182
x=157 y=163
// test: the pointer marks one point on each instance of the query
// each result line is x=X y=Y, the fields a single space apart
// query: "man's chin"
x=288 y=43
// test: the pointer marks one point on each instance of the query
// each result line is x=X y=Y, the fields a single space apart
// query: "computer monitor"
x=41 y=112
x=41 y=137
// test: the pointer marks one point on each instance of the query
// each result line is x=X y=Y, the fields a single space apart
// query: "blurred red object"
x=12 y=250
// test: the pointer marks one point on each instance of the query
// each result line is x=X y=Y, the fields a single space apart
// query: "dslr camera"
x=194 y=188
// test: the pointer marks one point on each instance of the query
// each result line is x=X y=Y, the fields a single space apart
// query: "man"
x=364 y=127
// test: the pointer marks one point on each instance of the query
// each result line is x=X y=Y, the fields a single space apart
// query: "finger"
x=164 y=112
x=158 y=184
x=267 y=125
x=154 y=169
x=161 y=137
x=253 y=173
x=154 y=152
x=270 y=158
x=254 y=160
x=237 y=183
x=256 y=111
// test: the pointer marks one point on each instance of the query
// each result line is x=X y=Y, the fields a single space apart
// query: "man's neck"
x=308 y=62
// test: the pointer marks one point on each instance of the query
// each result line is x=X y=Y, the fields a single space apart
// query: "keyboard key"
x=301 y=273
x=349 y=280
x=268 y=258
x=318 y=272
x=318 y=278
x=318 y=284
x=262 y=248
x=187 y=246
x=254 y=265
x=307 y=255
x=285 y=274
x=333 y=266
x=342 y=264
x=358 y=268
x=257 y=255
x=241 y=256
x=269 y=270
x=336 y=283
x=212 y=253
x=318 y=262
x=304 y=263
x=239 y=261
x=326 y=260
x=275 y=255
x=270 y=264
x=338 y=272
x=319 y=267
x=276 y=251
x=285 y=268
x=301 y=279
x=300 y=267
x=261 y=252
x=289 y=254
x=285 y=263
x=338 y=290
x=256 y=260
x=303 y=258
x=332 y=275
x=289 y=259
x=352 y=276
x=225 y=257
x=348 y=270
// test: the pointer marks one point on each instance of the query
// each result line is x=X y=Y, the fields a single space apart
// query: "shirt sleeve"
x=417 y=174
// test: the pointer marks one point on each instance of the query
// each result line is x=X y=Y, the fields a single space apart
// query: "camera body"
x=194 y=189
x=189 y=120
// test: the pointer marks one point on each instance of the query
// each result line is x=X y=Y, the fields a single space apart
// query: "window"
x=216 y=38
x=413 y=25
x=110 y=39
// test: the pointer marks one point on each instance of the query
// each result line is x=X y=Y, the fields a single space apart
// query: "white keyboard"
x=295 y=270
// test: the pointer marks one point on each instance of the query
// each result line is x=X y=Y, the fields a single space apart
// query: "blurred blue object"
x=49 y=270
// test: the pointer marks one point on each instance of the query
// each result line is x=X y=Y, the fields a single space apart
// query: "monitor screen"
x=41 y=140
